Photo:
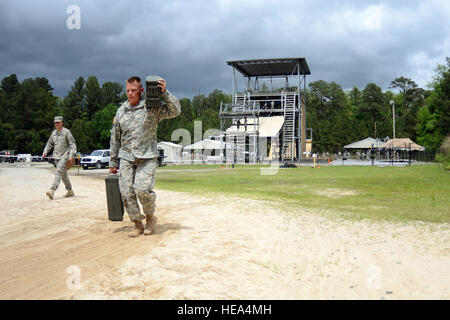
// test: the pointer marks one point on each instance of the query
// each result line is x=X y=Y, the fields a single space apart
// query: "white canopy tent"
x=206 y=144
x=205 y=150
x=365 y=144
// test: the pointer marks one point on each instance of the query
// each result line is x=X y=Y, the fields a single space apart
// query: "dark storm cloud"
x=189 y=42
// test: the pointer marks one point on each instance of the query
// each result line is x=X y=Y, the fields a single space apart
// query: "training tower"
x=265 y=123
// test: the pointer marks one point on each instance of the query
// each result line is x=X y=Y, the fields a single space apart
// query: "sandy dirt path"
x=204 y=248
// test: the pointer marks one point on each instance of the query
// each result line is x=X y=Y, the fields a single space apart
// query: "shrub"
x=443 y=155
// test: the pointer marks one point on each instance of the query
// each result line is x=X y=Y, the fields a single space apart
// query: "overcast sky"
x=189 y=41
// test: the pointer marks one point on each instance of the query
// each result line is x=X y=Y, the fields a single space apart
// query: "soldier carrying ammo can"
x=64 y=150
x=133 y=141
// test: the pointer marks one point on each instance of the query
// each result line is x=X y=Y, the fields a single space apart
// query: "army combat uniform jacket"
x=62 y=143
x=133 y=136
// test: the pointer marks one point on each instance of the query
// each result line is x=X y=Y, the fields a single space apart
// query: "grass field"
x=420 y=192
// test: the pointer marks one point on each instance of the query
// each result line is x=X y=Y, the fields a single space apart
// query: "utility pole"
x=393 y=116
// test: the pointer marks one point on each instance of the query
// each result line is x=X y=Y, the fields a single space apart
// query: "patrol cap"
x=58 y=119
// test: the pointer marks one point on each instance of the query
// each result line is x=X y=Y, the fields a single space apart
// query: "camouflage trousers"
x=61 y=174
x=136 y=181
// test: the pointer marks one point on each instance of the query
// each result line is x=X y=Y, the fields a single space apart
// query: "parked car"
x=22 y=157
x=37 y=159
x=8 y=156
x=98 y=159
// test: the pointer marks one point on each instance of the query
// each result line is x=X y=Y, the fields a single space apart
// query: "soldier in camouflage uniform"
x=133 y=141
x=64 y=150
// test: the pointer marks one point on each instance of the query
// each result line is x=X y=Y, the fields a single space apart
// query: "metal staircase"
x=240 y=147
x=239 y=99
x=288 y=151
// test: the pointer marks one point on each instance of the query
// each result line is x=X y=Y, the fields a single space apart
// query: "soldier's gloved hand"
x=113 y=170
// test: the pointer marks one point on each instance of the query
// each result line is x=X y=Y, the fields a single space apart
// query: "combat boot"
x=51 y=193
x=150 y=226
x=138 y=230
x=69 y=193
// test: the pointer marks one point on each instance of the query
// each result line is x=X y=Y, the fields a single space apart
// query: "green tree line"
x=27 y=110
x=337 y=117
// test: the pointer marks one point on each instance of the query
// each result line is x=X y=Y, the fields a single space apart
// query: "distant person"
x=133 y=141
x=64 y=150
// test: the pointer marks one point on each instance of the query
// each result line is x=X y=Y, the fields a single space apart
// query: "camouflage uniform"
x=64 y=147
x=133 y=140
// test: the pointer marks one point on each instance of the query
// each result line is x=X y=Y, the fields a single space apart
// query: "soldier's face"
x=134 y=91
x=58 y=126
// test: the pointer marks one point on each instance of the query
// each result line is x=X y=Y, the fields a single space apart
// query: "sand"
x=204 y=248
